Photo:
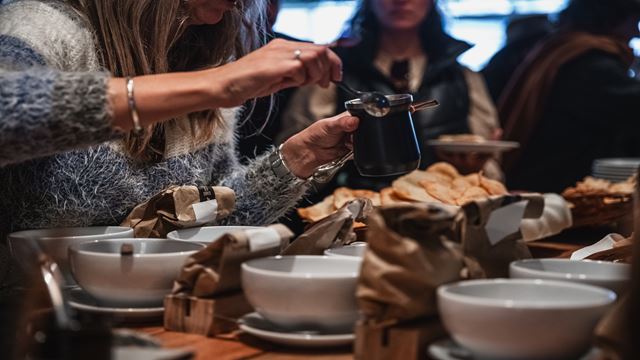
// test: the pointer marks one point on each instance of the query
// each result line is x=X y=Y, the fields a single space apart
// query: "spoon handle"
x=423 y=105
x=347 y=88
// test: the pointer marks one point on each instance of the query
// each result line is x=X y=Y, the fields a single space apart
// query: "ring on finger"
x=297 y=53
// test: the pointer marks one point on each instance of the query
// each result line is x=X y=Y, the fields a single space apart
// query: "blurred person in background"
x=400 y=46
x=523 y=33
x=572 y=101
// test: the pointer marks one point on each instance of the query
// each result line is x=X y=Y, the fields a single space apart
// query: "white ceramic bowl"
x=141 y=279
x=523 y=318
x=613 y=276
x=55 y=243
x=205 y=234
x=355 y=249
x=304 y=292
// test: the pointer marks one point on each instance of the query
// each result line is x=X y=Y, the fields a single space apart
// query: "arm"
x=45 y=111
x=261 y=196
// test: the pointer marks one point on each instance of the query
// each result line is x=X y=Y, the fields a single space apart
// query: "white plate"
x=614 y=173
x=447 y=349
x=622 y=176
x=139 y=352
x=605 y=168
x=613 y=179
x=619 y=172
x=488 y=146
x=629 y=163
x=257 y=326
x=80 y=300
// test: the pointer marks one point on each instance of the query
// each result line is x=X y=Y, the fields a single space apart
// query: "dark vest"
x=443 y=80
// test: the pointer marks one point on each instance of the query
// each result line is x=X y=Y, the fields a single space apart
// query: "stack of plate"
x=615 y=170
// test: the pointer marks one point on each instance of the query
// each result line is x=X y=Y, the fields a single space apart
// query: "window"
x=479 y=22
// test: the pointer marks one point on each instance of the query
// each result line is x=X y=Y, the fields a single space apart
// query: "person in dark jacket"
x=401 y=47
x=573 y=100
x=523 y=33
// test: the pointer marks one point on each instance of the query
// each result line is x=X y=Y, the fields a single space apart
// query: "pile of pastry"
x=440 y=183
x=596 y=202
x=590 y=186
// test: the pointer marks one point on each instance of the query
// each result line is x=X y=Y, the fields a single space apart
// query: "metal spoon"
x=374 y=103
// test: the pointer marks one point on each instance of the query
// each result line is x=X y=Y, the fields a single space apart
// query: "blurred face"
x=401 y=14
x=208 y=12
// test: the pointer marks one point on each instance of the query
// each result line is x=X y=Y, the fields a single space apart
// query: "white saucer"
x=447 y=349
x=80 y=300
x=256 y=325
x=488 y=146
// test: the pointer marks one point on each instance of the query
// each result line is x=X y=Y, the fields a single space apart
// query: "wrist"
x=298 y=159
x=222 y=87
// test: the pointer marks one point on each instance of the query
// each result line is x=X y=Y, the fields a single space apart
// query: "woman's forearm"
x=162 y=97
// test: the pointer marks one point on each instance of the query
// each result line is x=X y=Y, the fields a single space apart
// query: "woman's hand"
x=279 y=64
x=322 y=142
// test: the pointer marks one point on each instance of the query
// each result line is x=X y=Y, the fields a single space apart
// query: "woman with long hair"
x=400 y=46
x=132 y=40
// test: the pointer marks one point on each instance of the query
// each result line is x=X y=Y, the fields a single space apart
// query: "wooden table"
x=240 y=346
x=244 y=346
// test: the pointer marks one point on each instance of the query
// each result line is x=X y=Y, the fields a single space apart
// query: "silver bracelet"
x=133 y=110
x=279 y=167
x=321 y=174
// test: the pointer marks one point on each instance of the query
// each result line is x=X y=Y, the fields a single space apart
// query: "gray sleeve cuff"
x=261 y=196
x=45 y=112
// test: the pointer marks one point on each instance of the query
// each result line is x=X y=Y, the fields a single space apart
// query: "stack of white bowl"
x=92 y=258
x=56 y=242
x=615 y=169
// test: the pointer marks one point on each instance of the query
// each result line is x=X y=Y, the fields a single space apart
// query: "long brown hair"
x=138 y=37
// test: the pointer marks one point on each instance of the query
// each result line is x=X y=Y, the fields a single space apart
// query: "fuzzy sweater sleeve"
x=45 y=108
x=43 y=112
x=261 y=197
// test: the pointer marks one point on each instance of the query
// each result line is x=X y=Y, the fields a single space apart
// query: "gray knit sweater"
x=98 y=185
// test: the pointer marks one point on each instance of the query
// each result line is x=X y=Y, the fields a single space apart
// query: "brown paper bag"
x=180 y=207
x=411 y=252
x=612 y=335
x=216 y=269
x=332 y=231
x=492 y=234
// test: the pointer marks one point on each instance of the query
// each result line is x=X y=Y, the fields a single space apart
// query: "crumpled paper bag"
x=332 y=231
x=492 y=234
x=216 y=269
x=180 y=207
x=413 y=249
